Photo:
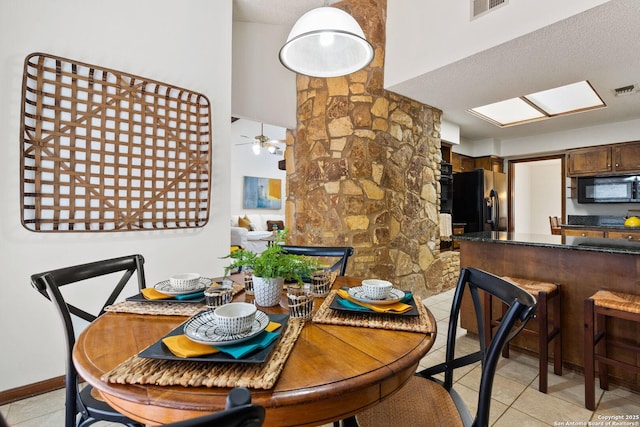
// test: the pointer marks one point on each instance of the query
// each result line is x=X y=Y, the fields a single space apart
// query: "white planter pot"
x=267 y=292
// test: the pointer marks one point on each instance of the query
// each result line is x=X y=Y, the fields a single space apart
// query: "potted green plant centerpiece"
x=272 y=268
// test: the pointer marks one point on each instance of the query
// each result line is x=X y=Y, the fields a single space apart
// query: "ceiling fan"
x=262 y=141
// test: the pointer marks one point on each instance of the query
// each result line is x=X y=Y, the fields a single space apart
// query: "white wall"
x=522 y=203
x=246 y=163
x=407 y=32
x=449 y=132
x=539 y=189
x=551 y=143
x=263 y=90
x=187 y=44
x=557 y=141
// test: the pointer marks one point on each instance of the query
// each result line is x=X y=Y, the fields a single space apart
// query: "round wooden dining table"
x=332 y=372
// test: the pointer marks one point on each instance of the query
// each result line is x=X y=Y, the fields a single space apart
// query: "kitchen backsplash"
x=595 y=220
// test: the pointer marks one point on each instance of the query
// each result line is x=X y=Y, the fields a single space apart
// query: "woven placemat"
x=166 y=308
x=138 y=370
x=421 y=323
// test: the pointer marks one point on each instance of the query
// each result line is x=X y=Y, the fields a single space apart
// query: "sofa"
x=251 y=237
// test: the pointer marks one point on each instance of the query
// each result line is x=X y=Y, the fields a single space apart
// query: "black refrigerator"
x=480 y=200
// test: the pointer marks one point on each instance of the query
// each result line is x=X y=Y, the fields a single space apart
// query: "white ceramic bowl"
x=235 y=317
x=185 y=281
x=376 y=289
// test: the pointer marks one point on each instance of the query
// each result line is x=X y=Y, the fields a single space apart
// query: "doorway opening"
x=537 y=190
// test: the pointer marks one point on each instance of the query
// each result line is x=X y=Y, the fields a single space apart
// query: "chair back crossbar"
x=341 y=252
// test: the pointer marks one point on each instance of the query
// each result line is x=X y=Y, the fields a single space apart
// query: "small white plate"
x=202 y=328
x=167 y=288
x=357 y=293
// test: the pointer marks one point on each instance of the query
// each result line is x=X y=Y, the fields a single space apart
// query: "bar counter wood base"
x=333 y=371
x=581 y=273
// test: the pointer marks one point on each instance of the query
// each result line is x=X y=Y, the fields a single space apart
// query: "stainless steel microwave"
x=610 y=189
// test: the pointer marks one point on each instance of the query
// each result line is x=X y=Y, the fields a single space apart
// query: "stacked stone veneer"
x=363 y=170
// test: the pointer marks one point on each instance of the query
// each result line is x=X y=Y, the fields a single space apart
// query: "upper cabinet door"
x=461 y=163
x=589 y=161
x=626 y=157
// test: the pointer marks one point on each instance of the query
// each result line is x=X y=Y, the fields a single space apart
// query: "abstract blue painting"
x=262 y=193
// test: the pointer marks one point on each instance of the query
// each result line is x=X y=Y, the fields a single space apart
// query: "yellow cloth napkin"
x=152 y=294
x=398 y=307
x=182 y=346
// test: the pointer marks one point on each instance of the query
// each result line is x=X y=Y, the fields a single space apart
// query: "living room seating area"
x=250 y=231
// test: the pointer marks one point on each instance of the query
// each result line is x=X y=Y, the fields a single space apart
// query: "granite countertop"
x=618 y=246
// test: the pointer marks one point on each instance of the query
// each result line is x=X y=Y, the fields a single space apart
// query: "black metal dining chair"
x=341 y=252
x=238 y=412
x=427 y=400
x=48 y=283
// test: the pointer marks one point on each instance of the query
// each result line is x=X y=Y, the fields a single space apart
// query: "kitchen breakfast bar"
x=580 y=265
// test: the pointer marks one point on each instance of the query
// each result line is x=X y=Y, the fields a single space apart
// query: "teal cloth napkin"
x=240 y=350
x=189 y=296
x=353 y=306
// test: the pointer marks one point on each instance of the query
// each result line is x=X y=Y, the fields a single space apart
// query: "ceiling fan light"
x=326 y=42
x=256 y=148
x=272 y=149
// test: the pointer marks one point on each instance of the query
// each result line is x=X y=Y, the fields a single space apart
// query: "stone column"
x=363 y=167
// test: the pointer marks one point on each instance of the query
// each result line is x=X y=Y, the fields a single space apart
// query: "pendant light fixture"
x=326 y=42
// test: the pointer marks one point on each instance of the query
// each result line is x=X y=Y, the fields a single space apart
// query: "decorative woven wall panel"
x=104 y=150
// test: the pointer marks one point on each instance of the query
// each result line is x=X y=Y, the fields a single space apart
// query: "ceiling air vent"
x=480 y=7
x=625 y=90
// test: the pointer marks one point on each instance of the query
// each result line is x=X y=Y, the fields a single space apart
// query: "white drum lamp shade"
x=326 y=42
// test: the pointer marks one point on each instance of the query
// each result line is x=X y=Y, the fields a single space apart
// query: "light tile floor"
x=516 y=399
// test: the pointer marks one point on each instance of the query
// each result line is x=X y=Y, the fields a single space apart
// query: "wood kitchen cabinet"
x=462 y=163
x=445 y=151
x=491 y=163
x=626 y=157
x=626 y=235
x=589 y=161
x=600 y=232
x=604 y=160
x=457 y=231
x=583 y=233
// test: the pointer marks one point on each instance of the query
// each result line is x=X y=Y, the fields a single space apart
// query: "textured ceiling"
x=275 y=12
x=601 y=45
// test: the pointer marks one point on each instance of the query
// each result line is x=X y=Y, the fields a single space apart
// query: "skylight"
x=568 y=99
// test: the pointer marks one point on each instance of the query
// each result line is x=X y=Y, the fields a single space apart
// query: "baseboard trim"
x=30 y=390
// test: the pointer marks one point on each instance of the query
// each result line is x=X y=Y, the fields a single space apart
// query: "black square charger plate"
x=335 y=305
x=160 y=351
